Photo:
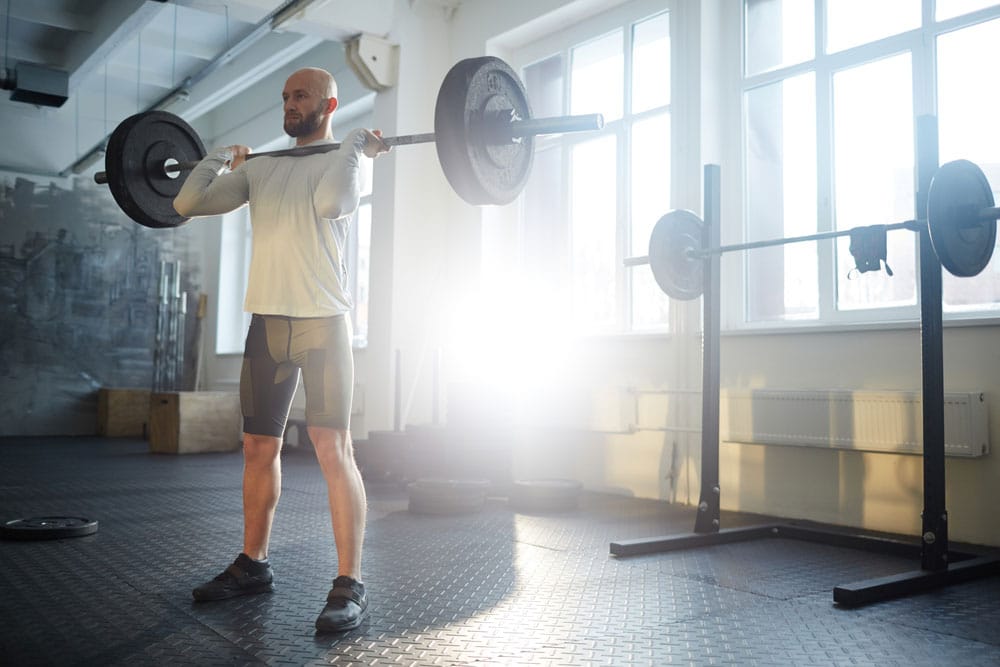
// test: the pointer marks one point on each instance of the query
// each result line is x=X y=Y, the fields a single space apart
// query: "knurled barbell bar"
x=483 y=131
x=961 y=220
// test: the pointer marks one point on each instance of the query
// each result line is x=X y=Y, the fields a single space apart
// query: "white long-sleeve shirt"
x=300 y=211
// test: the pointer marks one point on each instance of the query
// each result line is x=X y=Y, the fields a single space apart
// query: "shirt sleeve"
x=339 y=189
x=208 y=191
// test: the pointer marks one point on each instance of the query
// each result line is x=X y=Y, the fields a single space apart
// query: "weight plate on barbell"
x=137 y=151
x=963 y=242
x=674 y=236
x=481 y=170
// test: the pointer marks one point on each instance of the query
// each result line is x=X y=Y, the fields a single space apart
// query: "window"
x=592 y=198
x=359 y=243
x=234 y=267
x=829 y=145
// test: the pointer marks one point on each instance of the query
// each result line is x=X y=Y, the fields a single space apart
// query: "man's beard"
x=305 y=125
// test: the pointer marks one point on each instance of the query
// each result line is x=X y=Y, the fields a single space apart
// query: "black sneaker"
x=244 y=577
x=346 y=606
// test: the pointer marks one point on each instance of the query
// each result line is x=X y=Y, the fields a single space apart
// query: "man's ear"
x=331 y=105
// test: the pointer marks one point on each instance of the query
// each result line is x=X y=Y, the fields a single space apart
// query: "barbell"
x=483 y=131
x=961 y=221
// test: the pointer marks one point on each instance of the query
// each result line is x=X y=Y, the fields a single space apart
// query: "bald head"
x=315 y=79
x=310 y=98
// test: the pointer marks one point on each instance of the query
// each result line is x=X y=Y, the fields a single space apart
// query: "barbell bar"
x=961 y=221
x=499 y=130
x=483 y=131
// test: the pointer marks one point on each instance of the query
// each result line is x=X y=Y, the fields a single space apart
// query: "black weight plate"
x=678 y=274
x=447 y=496
x=137 y=151
x=963 y=242
x=482 y=171
x=47 y=528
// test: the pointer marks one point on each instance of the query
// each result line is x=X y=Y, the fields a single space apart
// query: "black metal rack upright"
x=938 y=566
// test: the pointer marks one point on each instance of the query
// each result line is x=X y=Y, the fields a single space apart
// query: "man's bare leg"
x=346 y=604
x=261 y=490
x=346 y=492
x=251 y=573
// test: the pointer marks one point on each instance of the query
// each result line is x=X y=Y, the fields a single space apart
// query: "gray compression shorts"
x=278 y=348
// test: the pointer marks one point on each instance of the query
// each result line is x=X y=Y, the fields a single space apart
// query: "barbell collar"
x=557 y=125
x=636 y=261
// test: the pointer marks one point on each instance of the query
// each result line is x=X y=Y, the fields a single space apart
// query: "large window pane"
x=873 y=177
x=651 y=64
x=367 y=173
x=778 y=33
x=967 y=110
x=546 y=239
x=543 y=82
x=946 y=9
x=854 y=22
x=362 y=270
x=592 y=204
x=781 y=199
x=650 y=200
x=234 y=264
x=597 y=81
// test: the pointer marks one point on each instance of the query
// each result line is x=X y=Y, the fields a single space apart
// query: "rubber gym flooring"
x=491 y=588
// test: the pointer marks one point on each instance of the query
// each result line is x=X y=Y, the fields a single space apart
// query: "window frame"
x=622 y=17
x=921 y=44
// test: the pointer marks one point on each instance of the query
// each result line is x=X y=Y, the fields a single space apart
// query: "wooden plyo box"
x=189 y=422
x=122 y=412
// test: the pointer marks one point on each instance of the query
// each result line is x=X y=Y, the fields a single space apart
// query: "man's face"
x=303 y=108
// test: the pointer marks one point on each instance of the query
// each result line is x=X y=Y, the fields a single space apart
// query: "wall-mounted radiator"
x=874 y=421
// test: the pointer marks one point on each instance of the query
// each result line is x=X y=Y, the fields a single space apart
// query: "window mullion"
x=624 y=188
x=826 y=251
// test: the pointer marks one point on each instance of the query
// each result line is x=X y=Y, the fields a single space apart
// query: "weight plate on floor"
x=137 y=151
x=963 y=242
x=478 y=97
x=447 y=496
x=677 y=273
x=47 y=528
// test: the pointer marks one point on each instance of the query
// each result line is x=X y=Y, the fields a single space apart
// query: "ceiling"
x=114 y=58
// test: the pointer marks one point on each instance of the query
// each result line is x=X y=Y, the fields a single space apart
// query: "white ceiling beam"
x=119 y=20
x=269 y=53
x=250 y=11
x=186 y=47
x=34 y=12
x=31 y=53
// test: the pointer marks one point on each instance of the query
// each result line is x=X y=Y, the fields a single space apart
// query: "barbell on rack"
x=961 y=220
x=483 y=131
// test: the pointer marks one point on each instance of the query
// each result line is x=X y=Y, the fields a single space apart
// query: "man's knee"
x=333 y=445
x=260 y=449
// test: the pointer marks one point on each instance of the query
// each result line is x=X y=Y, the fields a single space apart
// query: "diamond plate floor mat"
x=490 y=588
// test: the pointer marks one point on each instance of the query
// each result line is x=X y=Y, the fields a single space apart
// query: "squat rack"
x=939 y=566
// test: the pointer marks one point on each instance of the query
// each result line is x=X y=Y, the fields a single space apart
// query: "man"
x=298 y=293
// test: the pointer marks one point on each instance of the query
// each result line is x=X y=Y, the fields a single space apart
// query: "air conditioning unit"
x=37 y=84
